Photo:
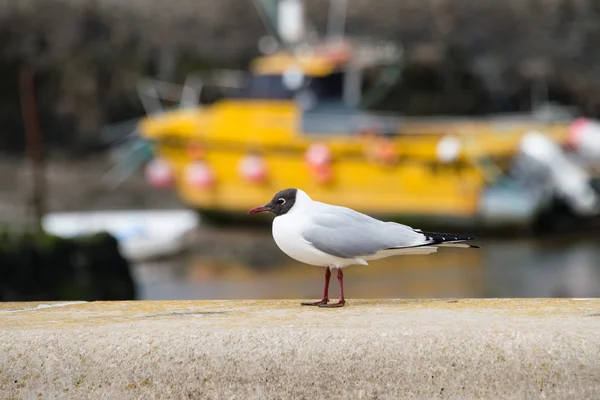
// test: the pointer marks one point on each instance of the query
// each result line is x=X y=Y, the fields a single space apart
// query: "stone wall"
x=384 y=349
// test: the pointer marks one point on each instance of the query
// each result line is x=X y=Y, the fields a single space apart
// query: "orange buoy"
x=381 y=150
x=323 y=174
x=385 y=152
x=195 y=151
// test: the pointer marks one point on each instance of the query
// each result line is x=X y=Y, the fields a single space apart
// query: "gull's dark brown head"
x=280 y=204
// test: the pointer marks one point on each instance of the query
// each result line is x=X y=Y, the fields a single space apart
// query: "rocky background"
x=37 y=267
x=462 y=57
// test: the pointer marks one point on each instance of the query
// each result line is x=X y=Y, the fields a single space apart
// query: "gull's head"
x=283 y=202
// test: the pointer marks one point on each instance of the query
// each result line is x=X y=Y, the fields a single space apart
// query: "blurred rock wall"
x=469 y=56
x=46 y=268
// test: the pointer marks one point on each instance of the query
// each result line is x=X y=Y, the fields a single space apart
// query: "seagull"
x=331 y=236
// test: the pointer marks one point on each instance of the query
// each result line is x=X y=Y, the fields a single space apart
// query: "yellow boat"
x=295 y=124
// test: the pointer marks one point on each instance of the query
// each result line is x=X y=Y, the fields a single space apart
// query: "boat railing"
x=347 y=121
x=154 y=92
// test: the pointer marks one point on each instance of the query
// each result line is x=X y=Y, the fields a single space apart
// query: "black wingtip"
x=446 y=237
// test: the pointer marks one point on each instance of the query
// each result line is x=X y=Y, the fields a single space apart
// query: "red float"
x=199 y=175
x=318 y=157
x=253 y=168
x=159 y=174
x=584 y=138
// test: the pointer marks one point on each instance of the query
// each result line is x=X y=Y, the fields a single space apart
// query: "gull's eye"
x=281 y=201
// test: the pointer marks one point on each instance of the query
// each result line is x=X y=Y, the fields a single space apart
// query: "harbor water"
x=248 y=265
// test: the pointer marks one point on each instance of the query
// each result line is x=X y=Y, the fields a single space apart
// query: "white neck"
x=302 y=201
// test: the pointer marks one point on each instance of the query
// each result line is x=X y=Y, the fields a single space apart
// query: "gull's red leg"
x=340 y=276
x=325 y=298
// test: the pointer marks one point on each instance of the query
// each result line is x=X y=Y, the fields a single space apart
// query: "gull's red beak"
x=260 y=209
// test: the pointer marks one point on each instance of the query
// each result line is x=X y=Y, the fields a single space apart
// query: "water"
x=247 y=265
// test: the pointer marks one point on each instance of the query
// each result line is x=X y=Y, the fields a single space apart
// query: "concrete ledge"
x=459 y=349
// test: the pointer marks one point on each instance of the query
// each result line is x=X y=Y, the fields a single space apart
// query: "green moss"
x=41 y=266
x=9 y=241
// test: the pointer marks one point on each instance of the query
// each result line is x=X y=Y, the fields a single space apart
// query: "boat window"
x=265 y=87
x=327 y=88
x=324 y=89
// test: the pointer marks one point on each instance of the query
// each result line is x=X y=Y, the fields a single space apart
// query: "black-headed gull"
x=335 y=237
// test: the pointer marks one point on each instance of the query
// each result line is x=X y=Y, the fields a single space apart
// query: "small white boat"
x=142 y=235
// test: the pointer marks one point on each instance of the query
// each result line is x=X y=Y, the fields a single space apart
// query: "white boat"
x=142 y=235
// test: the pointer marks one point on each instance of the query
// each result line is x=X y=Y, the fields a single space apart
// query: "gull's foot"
x=334 y=305
x=315 y=303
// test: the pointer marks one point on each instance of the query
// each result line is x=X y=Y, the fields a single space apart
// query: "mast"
x=336 y=20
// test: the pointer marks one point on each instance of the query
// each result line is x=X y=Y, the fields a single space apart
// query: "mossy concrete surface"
x=385 y=349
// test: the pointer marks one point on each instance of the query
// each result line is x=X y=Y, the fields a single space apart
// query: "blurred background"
x=136 y=136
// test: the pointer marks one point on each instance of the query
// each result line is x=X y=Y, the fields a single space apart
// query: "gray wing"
x=346 y=233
